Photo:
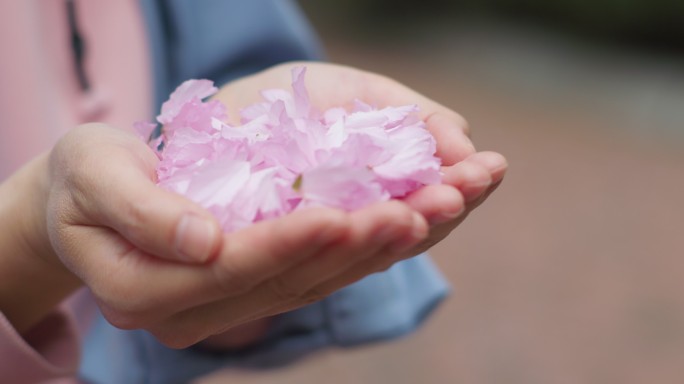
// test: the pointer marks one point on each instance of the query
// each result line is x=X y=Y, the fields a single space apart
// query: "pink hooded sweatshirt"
x=40 y=100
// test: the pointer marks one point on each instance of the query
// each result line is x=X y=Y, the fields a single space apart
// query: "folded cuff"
x=49 y=350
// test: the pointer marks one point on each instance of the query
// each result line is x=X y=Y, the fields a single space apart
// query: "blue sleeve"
x=223 y=40
x=380 y=307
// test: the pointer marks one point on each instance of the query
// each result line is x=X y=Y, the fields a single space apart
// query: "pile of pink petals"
x=286 y=155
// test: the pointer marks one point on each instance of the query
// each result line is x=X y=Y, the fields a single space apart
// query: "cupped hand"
x=469 y=177
x=156 y=261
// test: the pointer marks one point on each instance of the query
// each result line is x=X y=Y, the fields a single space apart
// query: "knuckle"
x=454 y=117
x=287 y=292
x=126 y=305
x=134 y=214
x=283 y=290
x=325 y=222
x=228 y=279
x=399 y=214
x=404 y=214
x=77 y=176
x=78 y=179
x=463 y=123
x=332 y=217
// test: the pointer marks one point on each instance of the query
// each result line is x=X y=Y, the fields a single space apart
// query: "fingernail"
x=470 y=147
x=443 y=217
x=419 y=229
x=195 y=238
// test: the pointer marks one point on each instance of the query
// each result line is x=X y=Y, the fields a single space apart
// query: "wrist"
x=32 y=279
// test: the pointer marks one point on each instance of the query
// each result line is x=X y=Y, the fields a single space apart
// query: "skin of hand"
x=92 y=214
x=469 y=177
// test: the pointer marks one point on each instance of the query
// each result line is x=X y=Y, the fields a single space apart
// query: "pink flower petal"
x=144 y=129
x=340 y=186
x=185 y=93
x=286 y=155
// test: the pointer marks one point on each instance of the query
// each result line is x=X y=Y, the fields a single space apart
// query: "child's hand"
x=127 y=240
x=155 y=260
x=469 y=176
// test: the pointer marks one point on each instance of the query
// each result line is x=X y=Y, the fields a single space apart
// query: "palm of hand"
x=121 y=235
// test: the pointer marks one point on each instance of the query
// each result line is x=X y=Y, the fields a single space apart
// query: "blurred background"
x=573 y=272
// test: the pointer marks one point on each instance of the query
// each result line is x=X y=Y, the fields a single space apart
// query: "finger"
x=110 y=177
x=474 y=204
x=474 y=177
x=380 y=226
x=291 y=293
x=451 y=131
x=437 y=203
x=477 y=177
x=387 y=257
x=380 y=262
x=337 y=85
x=268 y=248
x=470 y=178
x=136 y=289
x=495 y=163
x=476 y=174
x=159 y=222
x=453 y=145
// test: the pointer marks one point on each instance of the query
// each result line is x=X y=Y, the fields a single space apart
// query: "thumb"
x=162 y=223
x=125 y=198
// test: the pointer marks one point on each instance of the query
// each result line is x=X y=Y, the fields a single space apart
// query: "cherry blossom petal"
x=286 y=155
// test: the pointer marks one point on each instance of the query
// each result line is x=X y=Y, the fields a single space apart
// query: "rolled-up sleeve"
x=50 y=350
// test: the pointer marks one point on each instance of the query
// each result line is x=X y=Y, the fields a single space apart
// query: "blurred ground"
x=572 y=272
